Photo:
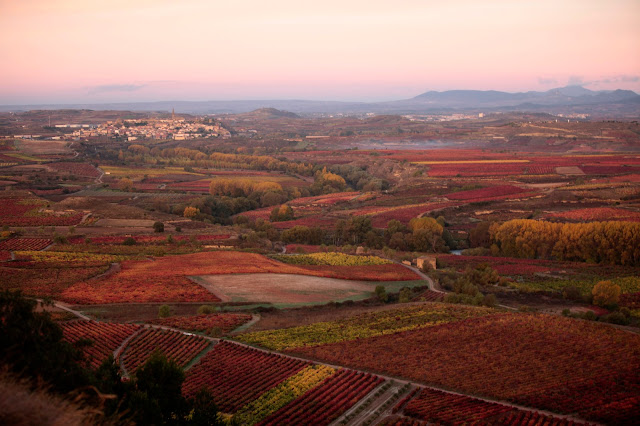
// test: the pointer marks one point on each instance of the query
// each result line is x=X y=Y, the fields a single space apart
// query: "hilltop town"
x=122 y=129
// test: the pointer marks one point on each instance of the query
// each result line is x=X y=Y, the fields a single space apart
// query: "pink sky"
x=145 y=50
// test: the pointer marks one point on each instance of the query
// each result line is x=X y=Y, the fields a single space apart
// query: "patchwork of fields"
x=308 y=278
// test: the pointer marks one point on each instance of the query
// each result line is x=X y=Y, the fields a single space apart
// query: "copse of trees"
x=241 y=187
x=359 y=178
x=180 y=156
x=219 y=209
x=327 y=182
x=281 y=213
x=125 y=184
x=466 y=288
x=614 y=243
x=424 y=234
x=427 y=234
x=190 y=212
x=480 y=236
x=301 y=234
x=265 y=193
x=606 y=293
x=355 y=230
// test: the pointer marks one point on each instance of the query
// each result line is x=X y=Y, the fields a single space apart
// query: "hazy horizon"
x=70 y=52
x=257 y=99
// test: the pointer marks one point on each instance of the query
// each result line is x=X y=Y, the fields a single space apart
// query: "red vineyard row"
x=404 y=215
x=429 y=296
x=179 y=347
x=76 y=169
x=630 y=300
x=441 y=407
x=224 y=322
x=540 y=361
x=491 y=191
x=327 y=401
x=237 y=375
x=105 y=337
x=29 y=244
x=599 y=214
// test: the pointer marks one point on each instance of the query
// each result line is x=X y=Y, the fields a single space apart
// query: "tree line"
x=423 y=234
x=614 y=243
x=180 y=156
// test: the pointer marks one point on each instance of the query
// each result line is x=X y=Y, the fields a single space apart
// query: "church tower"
x=173 y=114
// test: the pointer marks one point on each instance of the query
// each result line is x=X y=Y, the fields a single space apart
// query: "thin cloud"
x=547 y=81
x=605 y=80
x=575 y=80
x=620 y=79
x=107 y=88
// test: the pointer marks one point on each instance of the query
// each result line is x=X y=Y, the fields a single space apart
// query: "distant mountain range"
x=570 y=99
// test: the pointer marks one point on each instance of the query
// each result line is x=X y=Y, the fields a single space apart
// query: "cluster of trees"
x=614 y=243
x=326 y=182
x=467 y=287
x=359 y=178
x=32 y=348
x=125 y=184
x=300 y=234
x=219 y=209
x=180 y=156
x=260 y=162
x=245 y=188
x=281 y=213
x=606 y=293
x=425 y=234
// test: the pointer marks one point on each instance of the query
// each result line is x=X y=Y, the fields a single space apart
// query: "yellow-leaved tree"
x=606 y=293
x=190 y=212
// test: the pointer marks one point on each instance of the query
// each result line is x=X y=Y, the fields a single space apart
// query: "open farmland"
x=18 y=210
x=345 y=270
x=362 y=326
x=167 y=279
x=442 y=407
x=598 y=213
x=208 y=323
x=25 y=244
x=569 y=366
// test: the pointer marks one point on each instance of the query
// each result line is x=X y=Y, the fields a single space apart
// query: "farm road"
x=432 y=285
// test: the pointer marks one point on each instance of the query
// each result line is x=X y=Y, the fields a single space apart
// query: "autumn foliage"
x=179 y=347
x=536 y=360
x=615 y=243
x=237 y=375
x=606 y=293
x=103 y=337
x=440 y=407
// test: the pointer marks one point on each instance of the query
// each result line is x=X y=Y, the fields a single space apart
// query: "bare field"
x=44 y=147
x=282 y=288
x=125 y=223
x=569 y=170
